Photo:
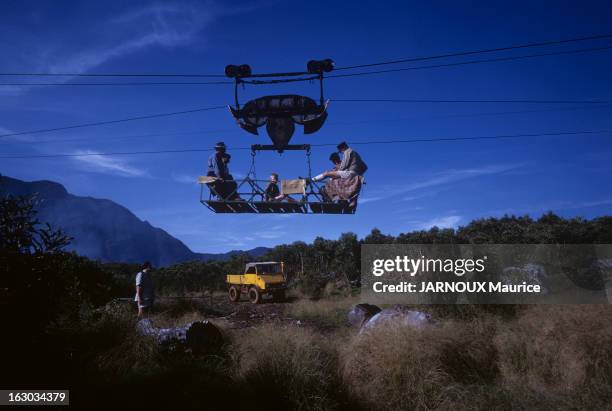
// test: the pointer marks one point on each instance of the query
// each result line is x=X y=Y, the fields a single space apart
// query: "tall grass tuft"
x=553 y=352
x=326 y=314
x=394 y=367
x=289 y=367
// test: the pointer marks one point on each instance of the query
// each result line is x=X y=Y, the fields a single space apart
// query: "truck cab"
x=258 y=280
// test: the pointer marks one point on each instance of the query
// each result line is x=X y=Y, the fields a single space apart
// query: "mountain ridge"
x=105 y=230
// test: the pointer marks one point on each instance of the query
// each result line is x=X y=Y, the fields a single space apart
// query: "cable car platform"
x=299 y=196
x=278 y=207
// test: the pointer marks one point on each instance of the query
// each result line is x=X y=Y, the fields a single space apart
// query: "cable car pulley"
x=280 y=113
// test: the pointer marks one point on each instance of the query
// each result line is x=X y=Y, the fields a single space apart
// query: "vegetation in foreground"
x=62 y=332
x=543 y=357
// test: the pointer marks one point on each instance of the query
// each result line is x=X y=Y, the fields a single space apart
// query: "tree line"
x=35 y=266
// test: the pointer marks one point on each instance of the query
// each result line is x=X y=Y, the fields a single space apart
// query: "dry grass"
x=401 y=368
x=559 y=353
x=548 y=357
x=108 y=355
x=542 y=357
x=295 y=368
x=326 y=314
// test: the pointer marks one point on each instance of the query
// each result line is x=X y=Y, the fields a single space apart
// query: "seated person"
x=221 y=182
x=341 y=188
x=350 y=166
x=228 y=187
x=216 y=166
x=335 y=159
x=272 y=191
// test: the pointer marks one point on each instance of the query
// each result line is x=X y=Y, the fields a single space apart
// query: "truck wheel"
x=234 y=294
x=254 y=295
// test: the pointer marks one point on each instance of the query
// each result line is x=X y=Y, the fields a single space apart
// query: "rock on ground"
x=398 y=315
x=198 y=336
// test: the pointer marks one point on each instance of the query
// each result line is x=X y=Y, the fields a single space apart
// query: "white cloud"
x=453 y=175
x=437 y=179
x=365 y=200
x=268 y=232
x=157 y=25
x=24 y=138
x=567 y=205
x=440 y=222
x=419 y=196
x=153 y=26
x=411 y=198
x=271 y=235
x=108 y=165
x=231 y=234
x=184 y=178
x=160 y=25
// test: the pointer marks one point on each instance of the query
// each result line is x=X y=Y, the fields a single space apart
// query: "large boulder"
x=361 y=313
x=398 y=315
x=604 y=267
x=530 y=273
x=197 y=337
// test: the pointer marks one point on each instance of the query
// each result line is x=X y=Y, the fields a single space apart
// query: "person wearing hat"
x=145 y=290
x=351 y=164
x=216 y=166
x=228 y=188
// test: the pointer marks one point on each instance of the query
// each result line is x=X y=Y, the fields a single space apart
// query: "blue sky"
x=411 y=186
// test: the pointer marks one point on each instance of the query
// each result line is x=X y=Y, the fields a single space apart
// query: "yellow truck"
x=259 y=279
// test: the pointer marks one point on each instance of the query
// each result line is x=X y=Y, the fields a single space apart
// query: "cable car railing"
x=247 y=196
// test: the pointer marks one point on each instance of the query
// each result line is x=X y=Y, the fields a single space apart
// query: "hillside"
x=105 y=230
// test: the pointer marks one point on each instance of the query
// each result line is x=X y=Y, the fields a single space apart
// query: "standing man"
x=145 y=290
x=350 y=166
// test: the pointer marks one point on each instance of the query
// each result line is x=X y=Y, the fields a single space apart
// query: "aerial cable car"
x=280 y=114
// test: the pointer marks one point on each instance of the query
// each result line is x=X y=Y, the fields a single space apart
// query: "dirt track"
x=244 y=314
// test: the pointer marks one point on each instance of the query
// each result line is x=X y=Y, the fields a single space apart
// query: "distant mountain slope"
x=105 y=230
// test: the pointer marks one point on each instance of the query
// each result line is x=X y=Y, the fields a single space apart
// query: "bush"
x=400 y=368
x=108 y=355
x=559 y=351
x=293 y=368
